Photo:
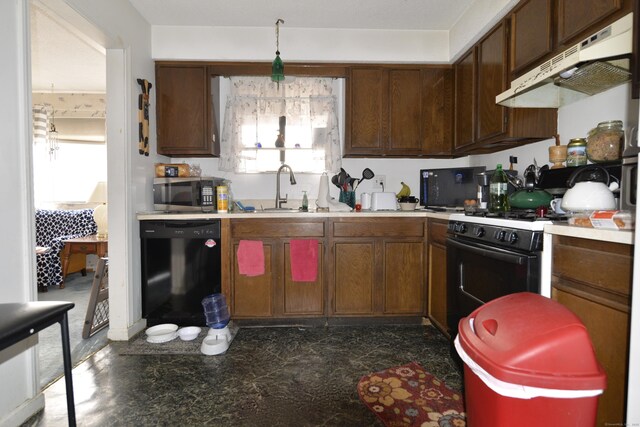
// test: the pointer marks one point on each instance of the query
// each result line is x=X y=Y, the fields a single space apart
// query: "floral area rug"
x=409 y=396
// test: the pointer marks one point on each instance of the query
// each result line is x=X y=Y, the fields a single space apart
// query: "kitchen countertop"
x=617 y=236
x=420 y=213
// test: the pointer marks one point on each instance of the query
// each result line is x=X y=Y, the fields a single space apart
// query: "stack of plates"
x=162 y=333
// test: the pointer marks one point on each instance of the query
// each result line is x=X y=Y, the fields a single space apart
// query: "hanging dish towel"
x=250 y=258
x=304 y=260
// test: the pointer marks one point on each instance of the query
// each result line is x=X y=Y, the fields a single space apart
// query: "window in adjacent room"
x=257 y=112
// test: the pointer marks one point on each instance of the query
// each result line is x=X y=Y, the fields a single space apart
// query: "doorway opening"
x=69 y=167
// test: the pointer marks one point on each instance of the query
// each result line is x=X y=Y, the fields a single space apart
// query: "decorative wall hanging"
x=143 y=117
x=277 y=67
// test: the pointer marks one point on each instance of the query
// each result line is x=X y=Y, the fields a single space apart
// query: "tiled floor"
x=268 y=377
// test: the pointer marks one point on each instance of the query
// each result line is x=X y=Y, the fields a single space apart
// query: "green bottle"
x=305 y=201
x=498 y=197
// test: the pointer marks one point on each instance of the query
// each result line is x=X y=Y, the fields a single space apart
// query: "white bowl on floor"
x=162 y=333
x=189 y=333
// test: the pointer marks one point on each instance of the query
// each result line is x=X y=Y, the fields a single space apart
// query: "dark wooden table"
x=21 y=320
x=91 y=244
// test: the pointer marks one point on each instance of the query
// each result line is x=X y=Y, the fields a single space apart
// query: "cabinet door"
x=404 y=279
x=437 y=111
x=577 y=16
x=438 y=286
x=354 y=267
x=183 y=111
x=405 y=96
x=367 y=111
x=253 y=296
x=465 y=100
x=303 y=298
x=492 y=80
x=527 y=46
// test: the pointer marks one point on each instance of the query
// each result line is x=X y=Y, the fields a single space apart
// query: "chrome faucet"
x=292 y=179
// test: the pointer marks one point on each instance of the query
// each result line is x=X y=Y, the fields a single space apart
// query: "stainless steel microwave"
x=185 y=194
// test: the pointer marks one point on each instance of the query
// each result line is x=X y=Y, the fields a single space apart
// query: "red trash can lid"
x=533 y=341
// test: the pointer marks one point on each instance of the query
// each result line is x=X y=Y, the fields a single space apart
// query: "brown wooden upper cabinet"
x=531 y=34
x=401 y=112
x=184 y=111
x=541 y=29
x=482 y=126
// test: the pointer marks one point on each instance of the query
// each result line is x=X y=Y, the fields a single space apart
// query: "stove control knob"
x=513 y=238
x=463 y=228
x=480 y=232
x=501 y=235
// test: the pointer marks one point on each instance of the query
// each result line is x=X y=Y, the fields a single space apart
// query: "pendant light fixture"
x=277 y=67
x=52 y=135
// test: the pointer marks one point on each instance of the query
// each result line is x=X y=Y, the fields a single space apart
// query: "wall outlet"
x=379 y=183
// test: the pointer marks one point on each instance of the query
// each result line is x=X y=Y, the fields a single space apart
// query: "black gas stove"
x=520 y=231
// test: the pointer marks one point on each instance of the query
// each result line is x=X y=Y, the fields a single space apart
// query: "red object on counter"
x=528 y=362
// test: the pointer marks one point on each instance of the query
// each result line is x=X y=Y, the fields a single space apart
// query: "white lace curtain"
x=253 y=108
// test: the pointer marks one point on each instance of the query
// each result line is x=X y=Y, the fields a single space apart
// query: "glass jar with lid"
x=604 y=143
x=577 y=152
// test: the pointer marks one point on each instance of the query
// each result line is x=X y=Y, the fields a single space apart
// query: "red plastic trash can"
x=528 y=361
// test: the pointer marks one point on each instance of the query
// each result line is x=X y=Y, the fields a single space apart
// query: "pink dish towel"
x=304 y=260
x=251 y=258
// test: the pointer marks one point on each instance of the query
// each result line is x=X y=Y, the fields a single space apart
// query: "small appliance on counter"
x=383 y=201
x=186 y=194
x=448 y=187
x=555 y=180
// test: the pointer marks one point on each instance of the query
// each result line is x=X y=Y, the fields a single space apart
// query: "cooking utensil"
x=530 y=199
x=335 y=180
x=366 y=174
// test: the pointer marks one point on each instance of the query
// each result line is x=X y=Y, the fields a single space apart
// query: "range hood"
x=594 y=65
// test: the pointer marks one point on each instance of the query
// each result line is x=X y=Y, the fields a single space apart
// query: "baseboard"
x=23 y=412
x=125 y=334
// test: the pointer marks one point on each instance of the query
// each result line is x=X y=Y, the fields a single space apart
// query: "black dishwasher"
x=180 y=266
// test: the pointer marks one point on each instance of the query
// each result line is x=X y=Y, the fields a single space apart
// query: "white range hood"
x=596 y=64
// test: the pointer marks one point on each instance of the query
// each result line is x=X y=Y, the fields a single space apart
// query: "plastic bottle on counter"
x=223 y=198
x=498 y=195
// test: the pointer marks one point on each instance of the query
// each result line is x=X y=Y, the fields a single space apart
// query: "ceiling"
x=351 y=14
x=63 y=57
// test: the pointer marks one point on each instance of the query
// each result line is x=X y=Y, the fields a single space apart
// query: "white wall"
x=19 y=397
x=128 y=43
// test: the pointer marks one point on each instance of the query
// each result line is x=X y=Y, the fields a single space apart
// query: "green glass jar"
x=604 y=143
x=577 y=152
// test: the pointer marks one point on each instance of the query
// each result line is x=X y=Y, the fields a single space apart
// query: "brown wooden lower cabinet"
x=354 y=277
x=303 y=298
x=593 y=279
x=437 y=266
x=275 y=294
x=252 y=296
x=367 y=267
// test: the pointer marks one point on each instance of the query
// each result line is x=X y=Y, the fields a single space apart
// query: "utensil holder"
x=348 y=197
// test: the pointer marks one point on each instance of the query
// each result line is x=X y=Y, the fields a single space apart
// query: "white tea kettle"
x=589 y=190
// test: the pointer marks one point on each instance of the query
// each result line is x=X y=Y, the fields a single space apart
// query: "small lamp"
x=277 y=67
x=100 y=216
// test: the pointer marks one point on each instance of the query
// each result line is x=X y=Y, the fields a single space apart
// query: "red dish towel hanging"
x=250 y=258
x=304 y=260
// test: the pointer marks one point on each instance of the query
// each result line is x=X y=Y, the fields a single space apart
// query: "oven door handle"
x=494 y=253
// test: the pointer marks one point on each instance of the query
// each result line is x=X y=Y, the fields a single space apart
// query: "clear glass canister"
x=604 y=143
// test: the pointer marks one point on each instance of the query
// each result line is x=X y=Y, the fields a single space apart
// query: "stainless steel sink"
x=283 y=210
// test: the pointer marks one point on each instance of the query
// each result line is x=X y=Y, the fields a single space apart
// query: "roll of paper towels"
x=323 y=192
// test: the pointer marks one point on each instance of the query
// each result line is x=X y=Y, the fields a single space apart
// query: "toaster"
x=383 y=201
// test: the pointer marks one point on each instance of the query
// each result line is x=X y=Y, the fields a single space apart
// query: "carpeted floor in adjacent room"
x=269 y=376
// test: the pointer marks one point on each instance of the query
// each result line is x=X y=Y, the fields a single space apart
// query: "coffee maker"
x=483 y=179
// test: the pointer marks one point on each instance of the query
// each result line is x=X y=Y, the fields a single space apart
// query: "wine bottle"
x=498 y=197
